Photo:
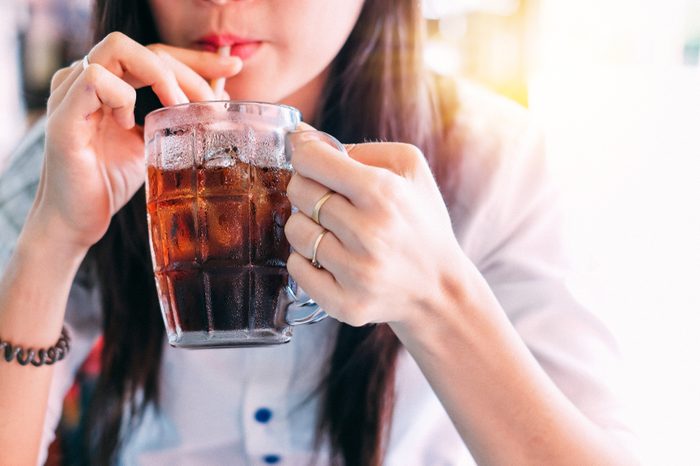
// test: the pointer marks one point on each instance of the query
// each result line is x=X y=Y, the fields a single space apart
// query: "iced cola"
x=219 y=246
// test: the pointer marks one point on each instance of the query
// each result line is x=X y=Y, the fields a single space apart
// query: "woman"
x=479 y=351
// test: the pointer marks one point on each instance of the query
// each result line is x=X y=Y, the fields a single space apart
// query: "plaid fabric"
x=18 y=185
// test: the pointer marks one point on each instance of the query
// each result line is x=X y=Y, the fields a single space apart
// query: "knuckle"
x=156 y=48
x=162 y=54
x=92 y=73
x=114 y=39
x=411 y=157
x=292 y=188
x=293 y=262
x=384 y=188
x=390 y=187
x=58 y=77
x=408 y=159
x=410 y=151
x=291 y=228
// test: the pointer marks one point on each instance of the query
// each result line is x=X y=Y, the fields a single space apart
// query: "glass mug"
x=217 y=206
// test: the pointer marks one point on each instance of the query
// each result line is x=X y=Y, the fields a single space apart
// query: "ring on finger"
x=314 y=258
x=85 y=63
x=317 y=208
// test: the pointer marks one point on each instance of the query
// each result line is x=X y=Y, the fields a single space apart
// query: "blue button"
x=263 y=415
x=272 y=459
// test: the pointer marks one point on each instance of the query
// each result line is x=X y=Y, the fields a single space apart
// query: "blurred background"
x=615 y=84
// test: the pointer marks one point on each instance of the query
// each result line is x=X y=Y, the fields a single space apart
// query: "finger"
x=194 y=86
x=60 y=83
x=397 y=157
x=318 y=283
x=302 y=234
x=94 y=88
x=336 y=214
x=317 y=160
x=209 y=65
x=402 y=159
x=138 y=66
x=61 y=75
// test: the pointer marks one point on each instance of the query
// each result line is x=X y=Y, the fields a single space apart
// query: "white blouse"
x=251 y=406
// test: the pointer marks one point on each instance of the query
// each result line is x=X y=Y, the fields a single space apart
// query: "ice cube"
x=176 y=148
x=178 y=230
x=220 y=146
x=225 y=229
x=224 y=181
x=269 y=149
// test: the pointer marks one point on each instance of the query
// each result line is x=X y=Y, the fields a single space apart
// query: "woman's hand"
x=389 y=237
x=94 y=152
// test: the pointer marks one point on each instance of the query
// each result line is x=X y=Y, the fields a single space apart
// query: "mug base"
x=229 y=338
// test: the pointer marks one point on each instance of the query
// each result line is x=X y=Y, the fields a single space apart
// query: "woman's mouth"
x=241 y=47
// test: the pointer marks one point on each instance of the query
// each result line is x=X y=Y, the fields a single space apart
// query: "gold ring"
x=317 y=208
x=314 y=261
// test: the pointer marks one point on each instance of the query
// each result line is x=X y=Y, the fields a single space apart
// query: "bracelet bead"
x=42 y=357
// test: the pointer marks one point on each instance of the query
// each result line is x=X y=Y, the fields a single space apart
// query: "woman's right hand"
x=94 y=160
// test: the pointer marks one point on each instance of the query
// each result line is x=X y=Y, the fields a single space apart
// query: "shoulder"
x=500 y=166
x=494 y=133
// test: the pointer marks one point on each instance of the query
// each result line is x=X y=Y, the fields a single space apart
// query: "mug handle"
x=303 y=309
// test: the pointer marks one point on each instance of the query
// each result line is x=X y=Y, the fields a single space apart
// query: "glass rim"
x=204 y=103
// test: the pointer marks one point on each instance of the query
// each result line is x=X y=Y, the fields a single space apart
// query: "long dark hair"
x=377 y=90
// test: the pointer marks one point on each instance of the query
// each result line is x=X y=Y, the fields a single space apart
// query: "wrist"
x=42 y=239
x=35 y=285
x=458 y=307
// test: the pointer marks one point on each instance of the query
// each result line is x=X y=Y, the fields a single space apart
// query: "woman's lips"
x=240 y=47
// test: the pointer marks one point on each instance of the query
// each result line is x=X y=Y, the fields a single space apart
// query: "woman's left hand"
x=390 y=256
x=389 y=242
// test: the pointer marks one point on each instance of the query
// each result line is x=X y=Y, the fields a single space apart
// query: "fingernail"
x=235 y=64
x=299 y=137
x=295 y=139
x=305 y=127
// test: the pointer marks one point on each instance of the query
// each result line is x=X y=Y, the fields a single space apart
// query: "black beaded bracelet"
x=38 y=358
